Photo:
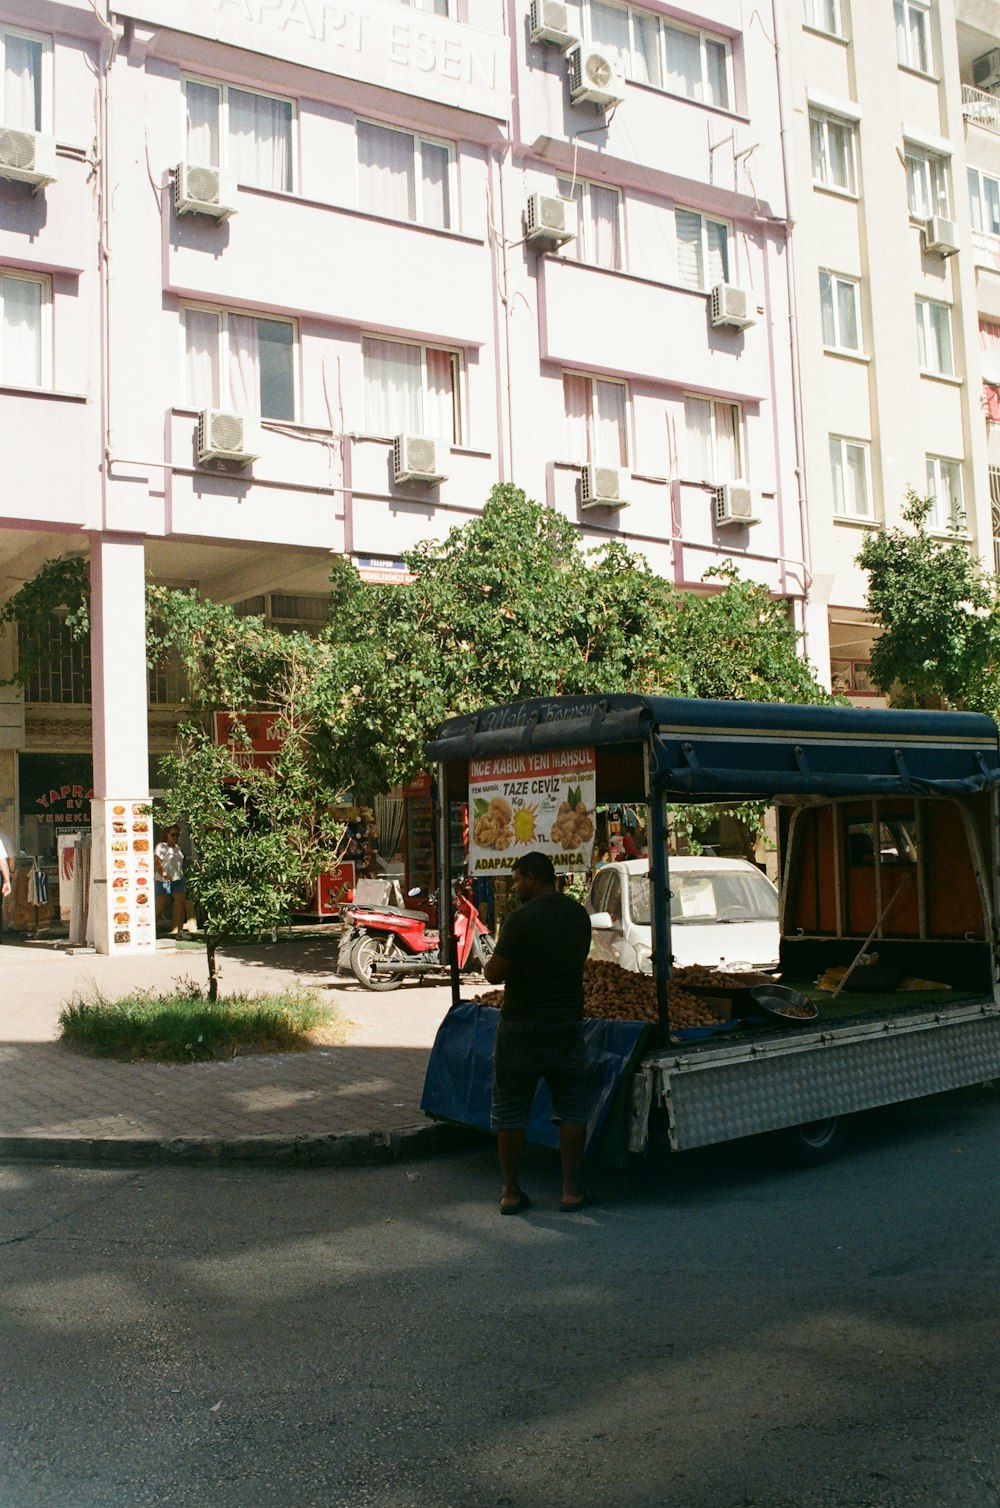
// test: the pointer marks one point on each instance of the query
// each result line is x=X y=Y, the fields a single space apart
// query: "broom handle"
x=879 y=920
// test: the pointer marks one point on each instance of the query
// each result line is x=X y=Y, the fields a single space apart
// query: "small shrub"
x=184 y=1027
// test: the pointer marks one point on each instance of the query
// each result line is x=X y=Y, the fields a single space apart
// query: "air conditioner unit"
x=27 y=157
x=549 y=221
x=594 y=76
x=601 y=487
x=734 y=504
x=414 y=459
x=549 y=22
x=204 y=191
x=986 y=70
x=223 y=437
x=941 y=235
x=731 y=306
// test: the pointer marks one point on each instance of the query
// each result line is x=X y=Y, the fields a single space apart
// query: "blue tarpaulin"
x=460 y=1072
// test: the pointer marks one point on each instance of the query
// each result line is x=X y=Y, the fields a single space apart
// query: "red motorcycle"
x=388 y=944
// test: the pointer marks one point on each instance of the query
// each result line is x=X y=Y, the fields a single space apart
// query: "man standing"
x=539 y=959
x=6 y=854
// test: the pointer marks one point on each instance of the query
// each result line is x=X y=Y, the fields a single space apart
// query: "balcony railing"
x=981 y=109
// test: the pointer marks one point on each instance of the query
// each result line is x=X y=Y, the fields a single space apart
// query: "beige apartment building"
x=893 y=113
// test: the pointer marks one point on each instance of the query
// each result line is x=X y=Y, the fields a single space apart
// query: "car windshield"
x=708 y=896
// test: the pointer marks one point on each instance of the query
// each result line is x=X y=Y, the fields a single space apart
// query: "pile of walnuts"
x=494 y=829
x=573 y=826
x=617 y=994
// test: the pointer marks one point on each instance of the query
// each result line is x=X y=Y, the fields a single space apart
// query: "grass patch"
x=183 y=1027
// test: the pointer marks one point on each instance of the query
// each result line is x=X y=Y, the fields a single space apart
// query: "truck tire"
x=813 y=1143
x=369 y=954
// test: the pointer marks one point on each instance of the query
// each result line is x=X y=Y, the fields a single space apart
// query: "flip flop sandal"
x=568 y=1208
x=523 y=1203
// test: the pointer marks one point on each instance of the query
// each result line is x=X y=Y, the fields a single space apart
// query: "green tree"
x=938 y=613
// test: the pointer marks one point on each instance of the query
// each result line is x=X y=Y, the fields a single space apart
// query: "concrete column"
x=122 y=873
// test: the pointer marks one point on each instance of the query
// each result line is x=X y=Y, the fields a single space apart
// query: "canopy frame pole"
x=448 y=952
x=658 y=837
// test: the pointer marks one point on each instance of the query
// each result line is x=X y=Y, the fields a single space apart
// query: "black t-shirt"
x=547 y=942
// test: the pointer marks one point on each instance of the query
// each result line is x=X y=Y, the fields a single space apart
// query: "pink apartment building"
x=284 y=279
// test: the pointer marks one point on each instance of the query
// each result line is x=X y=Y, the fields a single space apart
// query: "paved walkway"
x=358 y=1101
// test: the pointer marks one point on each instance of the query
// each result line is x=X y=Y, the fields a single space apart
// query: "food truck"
x=889 y=877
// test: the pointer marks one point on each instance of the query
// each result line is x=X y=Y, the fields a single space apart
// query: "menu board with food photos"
x=123 y=836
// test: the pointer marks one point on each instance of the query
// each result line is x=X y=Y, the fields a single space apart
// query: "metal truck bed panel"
x=742 y=1090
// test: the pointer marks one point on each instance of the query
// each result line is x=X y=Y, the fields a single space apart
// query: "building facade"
x=288 y=279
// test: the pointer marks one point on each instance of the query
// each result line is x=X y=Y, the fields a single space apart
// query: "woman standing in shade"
x=169 y=886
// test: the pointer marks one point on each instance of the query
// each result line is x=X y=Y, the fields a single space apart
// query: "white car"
x=723 y=914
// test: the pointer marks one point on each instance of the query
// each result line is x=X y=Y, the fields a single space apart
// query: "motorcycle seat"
x=417 y=916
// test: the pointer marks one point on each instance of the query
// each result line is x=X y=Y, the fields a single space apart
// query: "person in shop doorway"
x=168 y=880
x=6 y=857
x=539 y=959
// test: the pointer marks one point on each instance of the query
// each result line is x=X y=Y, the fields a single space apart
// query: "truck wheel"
x=808 y=1145
x=369 y=954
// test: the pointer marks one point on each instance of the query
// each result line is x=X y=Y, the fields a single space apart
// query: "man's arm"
x=497 y=968
x=5 y=872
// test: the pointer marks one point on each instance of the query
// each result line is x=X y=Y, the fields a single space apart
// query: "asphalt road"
x=719 y=1334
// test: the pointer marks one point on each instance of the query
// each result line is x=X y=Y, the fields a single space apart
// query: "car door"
x=606 y=895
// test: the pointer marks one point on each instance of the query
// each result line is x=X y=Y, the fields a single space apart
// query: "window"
x=832 y=141
x=432 y=7
x=61 y=668
x=934 y=337
x=403 y=176
x=598 y=237
x=850 y=464
x=240 y=362
x=702 y=250
x=926 y=183
x=411 y=389
x=984 y=201
x=24 y=346
x=944 y=485
x=913 y=39
x=713 y=451
x=839 y=299
x=596 y=419
x=651 y=50
x=251 y=134
x=23 y=80
x=823 y=15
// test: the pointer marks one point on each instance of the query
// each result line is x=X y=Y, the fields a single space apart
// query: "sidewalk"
x=357 y=1102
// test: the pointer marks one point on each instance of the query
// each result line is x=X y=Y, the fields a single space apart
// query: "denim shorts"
x=524 y=1055
x=169 y=887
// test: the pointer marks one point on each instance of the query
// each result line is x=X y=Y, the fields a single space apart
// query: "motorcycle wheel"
x=369 y=954
x=483 y=948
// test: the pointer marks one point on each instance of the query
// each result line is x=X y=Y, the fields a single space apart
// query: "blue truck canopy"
x=719 y=750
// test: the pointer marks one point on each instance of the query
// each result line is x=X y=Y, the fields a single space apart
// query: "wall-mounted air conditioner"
x=941 y=235
x=734 y=504
x=27 y=157
x=731 y=307
x=204 y=191
x=986 y=70
x=223 y=437
x=414 y=459
x=549 y=220
x=601 y=487
x=594 y=77
x=549 y=22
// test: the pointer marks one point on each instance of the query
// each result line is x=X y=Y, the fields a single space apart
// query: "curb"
x=343 y=1150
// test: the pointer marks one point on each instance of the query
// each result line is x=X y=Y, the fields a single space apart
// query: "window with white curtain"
x=984 y=202
x=239 y=362
x=713 y=448
x=824 y=15
x=411 y=389
x=850 y=466
x=944 y=486
x=24 y=330
x=831 y=140
x=405 y=177
x=926 y=183
x=840 y=308
x=934 y=344
x=703 y=257
x=598 y=237
x=649 y=49
x=249 y=133
x=596 y=419
x=913 y=34
x=26 y=59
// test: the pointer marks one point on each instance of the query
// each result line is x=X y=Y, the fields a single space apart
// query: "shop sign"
x=383 y=570
x=519 y=803
x=252 y=738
